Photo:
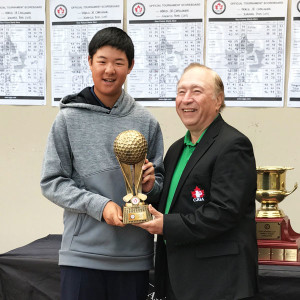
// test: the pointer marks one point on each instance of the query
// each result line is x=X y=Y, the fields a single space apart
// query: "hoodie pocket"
x=79 y=222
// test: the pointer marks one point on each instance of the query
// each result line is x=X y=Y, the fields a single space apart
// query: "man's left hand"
x=148 y=176
x=154 y=226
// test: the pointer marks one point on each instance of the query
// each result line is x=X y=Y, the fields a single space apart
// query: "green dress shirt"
x=188 y=150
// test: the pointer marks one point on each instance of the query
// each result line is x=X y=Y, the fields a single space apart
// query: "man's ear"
x=131 y=67
x=219 y=101
x=90 y=60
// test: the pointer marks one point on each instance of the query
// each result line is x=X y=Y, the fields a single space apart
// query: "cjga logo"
x=138 y=9
x=218 y=7
x=60 y=11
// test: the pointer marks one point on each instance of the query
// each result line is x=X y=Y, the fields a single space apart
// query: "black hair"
x=114 y=37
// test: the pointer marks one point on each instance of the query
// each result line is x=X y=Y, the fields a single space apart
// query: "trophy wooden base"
x=278 y=243
x=136 y=214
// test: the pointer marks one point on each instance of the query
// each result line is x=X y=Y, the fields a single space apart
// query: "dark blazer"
x=210 y=235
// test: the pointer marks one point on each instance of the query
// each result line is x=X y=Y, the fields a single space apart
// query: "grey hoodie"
x=81 y=174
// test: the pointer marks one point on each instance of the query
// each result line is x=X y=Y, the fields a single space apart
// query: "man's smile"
x=109 y=80
x=189 y=110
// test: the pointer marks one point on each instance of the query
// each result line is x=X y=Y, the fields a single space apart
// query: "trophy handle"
x=293 y=190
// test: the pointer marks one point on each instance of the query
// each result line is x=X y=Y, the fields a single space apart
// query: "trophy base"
x=278 y=243
x=136 y=214
x=269 y=209
x=276 y=213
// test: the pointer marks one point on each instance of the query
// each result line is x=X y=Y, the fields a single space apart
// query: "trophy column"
x=130 y=148
x=277 y=242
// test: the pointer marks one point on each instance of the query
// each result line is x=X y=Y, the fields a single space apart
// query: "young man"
x=100 y=258
x=206 y=248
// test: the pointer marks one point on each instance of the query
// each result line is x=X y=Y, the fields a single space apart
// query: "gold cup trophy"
x=277 y=242
x=130 y=148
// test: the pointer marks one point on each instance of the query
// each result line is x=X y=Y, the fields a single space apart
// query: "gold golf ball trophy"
x=277 y=242
x=130 y=148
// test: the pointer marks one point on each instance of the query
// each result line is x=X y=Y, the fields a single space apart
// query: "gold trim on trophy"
x=130 y=148
x=271 y=191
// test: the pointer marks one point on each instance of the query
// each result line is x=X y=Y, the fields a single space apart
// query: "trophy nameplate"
x=291 y=254
x=264 y=253
x=277 y=242
x=277 y=254
x=268 y=230
x=130 y=148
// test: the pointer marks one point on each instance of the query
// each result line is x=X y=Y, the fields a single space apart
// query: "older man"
x=206 y=246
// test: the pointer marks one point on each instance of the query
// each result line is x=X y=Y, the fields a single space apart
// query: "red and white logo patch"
x=198 y=194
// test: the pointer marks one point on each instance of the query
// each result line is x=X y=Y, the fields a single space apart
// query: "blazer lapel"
x=173 y=159
x=205 y=143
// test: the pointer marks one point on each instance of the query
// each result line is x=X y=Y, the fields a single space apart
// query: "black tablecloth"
x=32 y=273
x=278 y=282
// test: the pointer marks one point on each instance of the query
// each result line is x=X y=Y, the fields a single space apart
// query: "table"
x=31 y=272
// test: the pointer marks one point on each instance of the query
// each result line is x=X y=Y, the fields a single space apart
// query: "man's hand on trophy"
x=148 y=176
x=112 y=214
x=154 y=226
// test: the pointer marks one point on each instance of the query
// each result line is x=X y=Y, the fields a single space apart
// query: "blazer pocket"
x=217 y=249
